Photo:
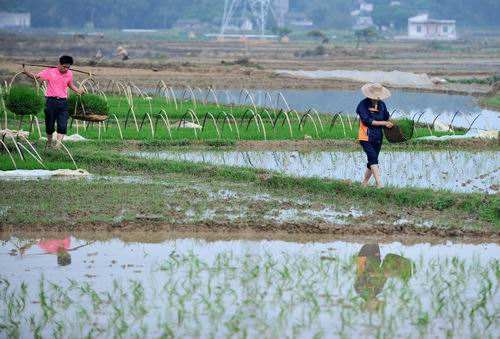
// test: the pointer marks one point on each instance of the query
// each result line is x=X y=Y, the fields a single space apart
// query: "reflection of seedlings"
x=240 y=290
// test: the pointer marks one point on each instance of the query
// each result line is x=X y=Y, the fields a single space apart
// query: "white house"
x=421 y=27
x=15 y=20
x=366 y=7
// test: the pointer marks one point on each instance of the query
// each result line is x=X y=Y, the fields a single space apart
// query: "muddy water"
x=451 y=170
x=407 y=103
x=194 y=287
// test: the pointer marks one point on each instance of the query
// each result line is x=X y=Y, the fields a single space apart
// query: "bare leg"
x=49 y=140
x=376 y=173
x=60 y=138
x=368 y=175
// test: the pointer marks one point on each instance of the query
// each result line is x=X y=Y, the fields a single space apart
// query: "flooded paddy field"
x=457 y=171
x=62 y=286
x=427 y=107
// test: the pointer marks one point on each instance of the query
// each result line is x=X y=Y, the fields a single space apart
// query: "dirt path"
x=248 y=234
x=235 y=229
x=318 y=145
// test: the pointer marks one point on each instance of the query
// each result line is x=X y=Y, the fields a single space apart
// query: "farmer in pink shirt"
x=58 y=80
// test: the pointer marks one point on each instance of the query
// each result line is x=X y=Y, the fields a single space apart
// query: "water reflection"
x=372 y=273
x=199 y=288
x=60 y=247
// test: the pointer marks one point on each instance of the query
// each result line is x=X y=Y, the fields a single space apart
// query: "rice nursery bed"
x=163 y=115
x=247 y=288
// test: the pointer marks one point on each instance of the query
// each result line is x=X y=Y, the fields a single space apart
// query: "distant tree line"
x=116 y=13
x=164 y=13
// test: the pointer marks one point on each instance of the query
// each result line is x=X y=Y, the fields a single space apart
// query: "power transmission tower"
x=256 y=11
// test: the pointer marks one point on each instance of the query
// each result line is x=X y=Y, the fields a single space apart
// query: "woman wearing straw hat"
x=373 y=115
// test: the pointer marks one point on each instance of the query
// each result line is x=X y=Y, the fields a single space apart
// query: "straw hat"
x=375 y=91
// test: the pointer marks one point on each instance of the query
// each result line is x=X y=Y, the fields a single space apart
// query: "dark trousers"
x=372 y=150
x=56 y=110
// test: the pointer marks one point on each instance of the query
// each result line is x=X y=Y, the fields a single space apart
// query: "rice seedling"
x=23 y=100
x=88 y=107
x=128 y=103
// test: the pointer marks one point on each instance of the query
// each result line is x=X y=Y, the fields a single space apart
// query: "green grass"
x=492 y=102
x=480 y=81
x=102 y=155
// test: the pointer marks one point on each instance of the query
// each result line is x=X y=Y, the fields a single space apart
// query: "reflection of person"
x=60 y=247
x=371 y=275
x=369 y=282
x=373 y=115
x=58 y=80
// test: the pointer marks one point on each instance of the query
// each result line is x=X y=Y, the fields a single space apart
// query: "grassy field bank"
x=491 y=102
x=477 y=211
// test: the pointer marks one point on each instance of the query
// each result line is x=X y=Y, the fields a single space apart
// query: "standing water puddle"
x=452 y=170
x=69 y=287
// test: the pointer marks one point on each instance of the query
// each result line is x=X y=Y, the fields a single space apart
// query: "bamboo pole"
x=48 y=66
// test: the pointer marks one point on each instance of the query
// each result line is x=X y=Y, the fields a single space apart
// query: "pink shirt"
x=55 y=245
x=57 y=82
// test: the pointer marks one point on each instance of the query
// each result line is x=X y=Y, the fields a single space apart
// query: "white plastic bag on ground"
x=20 y=174
x=396 y=78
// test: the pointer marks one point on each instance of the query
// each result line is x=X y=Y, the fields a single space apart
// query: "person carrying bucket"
x=373 y=115
x=58 y=80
